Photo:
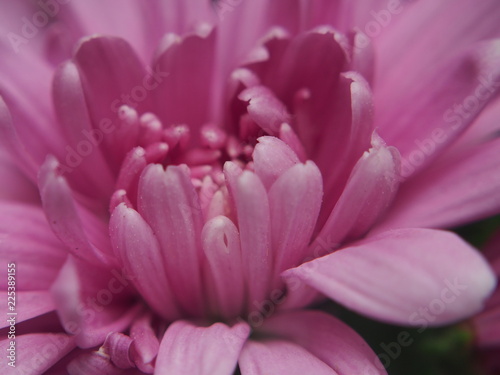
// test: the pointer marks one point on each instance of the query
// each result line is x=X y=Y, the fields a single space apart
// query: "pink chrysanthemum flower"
x=202 y=201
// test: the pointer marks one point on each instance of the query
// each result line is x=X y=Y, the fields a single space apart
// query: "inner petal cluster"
x=212 y=218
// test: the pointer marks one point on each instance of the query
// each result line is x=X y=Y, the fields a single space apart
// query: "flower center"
x=183 y=182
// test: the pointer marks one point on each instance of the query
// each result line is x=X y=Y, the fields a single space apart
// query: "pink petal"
x=445 y=111
x=267 y=57
x=322 y=108
x=369 y=192
x=264 y=108
x=451 y=193
x=471 y=23
x=288 y=136
x=133 y=165
x=16 y=186
x=130 y=25
x=91 y=301
x=231 y=173
x=186 y=68
x=327 y=338
x=295 y=200
x=272 y=157
x=264 y=57
x=239 y=80
x=289 y=72
x=141 y=24
x=298 y=294
x=29 y=133
x=146 y=344
x=348 y=16
x=346 y=121
x=280 y=357
x=362 y=55
x=167 y=199
x=9 y=24
x=36 y=353
x=130 y=171
x=187 y=349
x=93 y=363
x=27 y=240
x=484 y=129
x=182 y=16
x=287 y=14
x=138 y=248
x=411 y=265
x=225 y=288
x=11 y=143
x=252 y=208
x=27 y=305
x=111 y=71
x=93 y=176
x=241 y=25
x=66 y=222
x=325 y=12
x=117 y=346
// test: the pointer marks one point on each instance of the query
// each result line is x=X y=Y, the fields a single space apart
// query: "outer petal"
x=405 y=277
x=91 y=301
x=484 y=129
x=328 y=339
x=94 y=363
x=37 y=352
x=461 y=87
x=28 y=305
x=93 y=17
x=10 y=142
x=187 y=349
x=143 y=24
x=15 y=185
x=471 y=22
x=461 y=189
x=280 y=357
x=32 y=115
x=27 y=240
